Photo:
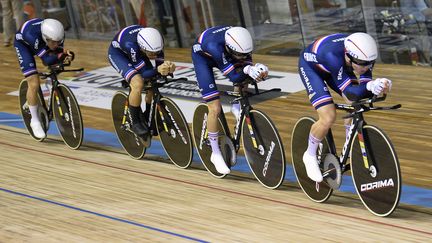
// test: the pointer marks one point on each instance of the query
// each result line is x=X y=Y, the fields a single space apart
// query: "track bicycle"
x=373 y=163
x=260 y=139
x=61 y=105
x=165 y=119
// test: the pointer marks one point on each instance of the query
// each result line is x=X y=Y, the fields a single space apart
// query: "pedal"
x=332 y=171
x=228 y=150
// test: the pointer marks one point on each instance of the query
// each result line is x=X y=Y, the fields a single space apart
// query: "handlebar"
x=57 y=69
x=157 y=81
x=248 y=95
x=365 y=105
x=239 y=95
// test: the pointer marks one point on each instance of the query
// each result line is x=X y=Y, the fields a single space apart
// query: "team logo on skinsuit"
x=339 y=76
x=20 y=59
x=133 y=54
x=339 y=40
x=306 y=80
x=197 y=48
x=113 y=63
x=115 y=44
x=310 y=57
x=36 y=44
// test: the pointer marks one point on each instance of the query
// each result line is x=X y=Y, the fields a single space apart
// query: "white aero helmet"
x=361 y=47
x=52 y=29
x=239 y=41
x=149 y=39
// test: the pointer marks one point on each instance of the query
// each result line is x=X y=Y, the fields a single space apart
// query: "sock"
x=213 y=137
x=313 y=145
x=34 y=113
x=347 y=128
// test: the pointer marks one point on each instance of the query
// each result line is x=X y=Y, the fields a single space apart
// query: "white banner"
x=96 y=88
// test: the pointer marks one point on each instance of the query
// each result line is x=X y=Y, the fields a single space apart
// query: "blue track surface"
x=410 y=194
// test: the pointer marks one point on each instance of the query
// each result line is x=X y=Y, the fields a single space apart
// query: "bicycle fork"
x=366 y=155
x=357 y=125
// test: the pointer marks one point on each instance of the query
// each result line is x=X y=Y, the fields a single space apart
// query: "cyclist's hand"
x=171 y=65
x=70 y=56
x=264 y=70
x=164 y=68
x=253 y=72
x=66 y=56
x=388 y=87
x=379 y=86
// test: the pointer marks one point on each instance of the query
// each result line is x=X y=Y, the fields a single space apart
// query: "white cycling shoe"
x=37 y=129
x=312 y=168
x=219 y=163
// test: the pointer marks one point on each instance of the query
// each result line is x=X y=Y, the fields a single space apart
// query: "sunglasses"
x=360 y=62
x=239 y=55
x=150 y=53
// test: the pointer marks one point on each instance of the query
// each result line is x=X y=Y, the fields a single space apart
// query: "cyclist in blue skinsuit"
x=130 y=53
x=333 y=61
x=225 y=48
x=45 y=39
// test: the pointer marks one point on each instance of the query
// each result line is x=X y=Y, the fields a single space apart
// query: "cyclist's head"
x=150 y=41
x=52 y=32
x=361 y=49
x=239 y=42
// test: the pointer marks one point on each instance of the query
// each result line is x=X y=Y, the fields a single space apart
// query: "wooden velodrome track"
x=51 y=193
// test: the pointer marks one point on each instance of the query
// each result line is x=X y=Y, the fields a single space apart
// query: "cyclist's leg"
x=138 y=126
x=207 y=85
x=321 y=100
x=28 y=67
x=123 y=66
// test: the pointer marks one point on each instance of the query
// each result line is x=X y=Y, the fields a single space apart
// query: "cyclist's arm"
x=354 y=90
x=227 y=68
x=50 y=57
x=146 y=70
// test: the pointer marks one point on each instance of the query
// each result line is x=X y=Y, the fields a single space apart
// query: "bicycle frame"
x=245 y=108
x=357 y=124
x=155 y=105
x=54 y=92
x=356 y=111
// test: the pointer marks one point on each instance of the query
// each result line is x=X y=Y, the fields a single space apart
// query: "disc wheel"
x=132 y=144
x=67 y=116
x=25 y=111
x=263 y=149
x=317 y=192
x=174 y=133
x=378 y=179
x=202 y=144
